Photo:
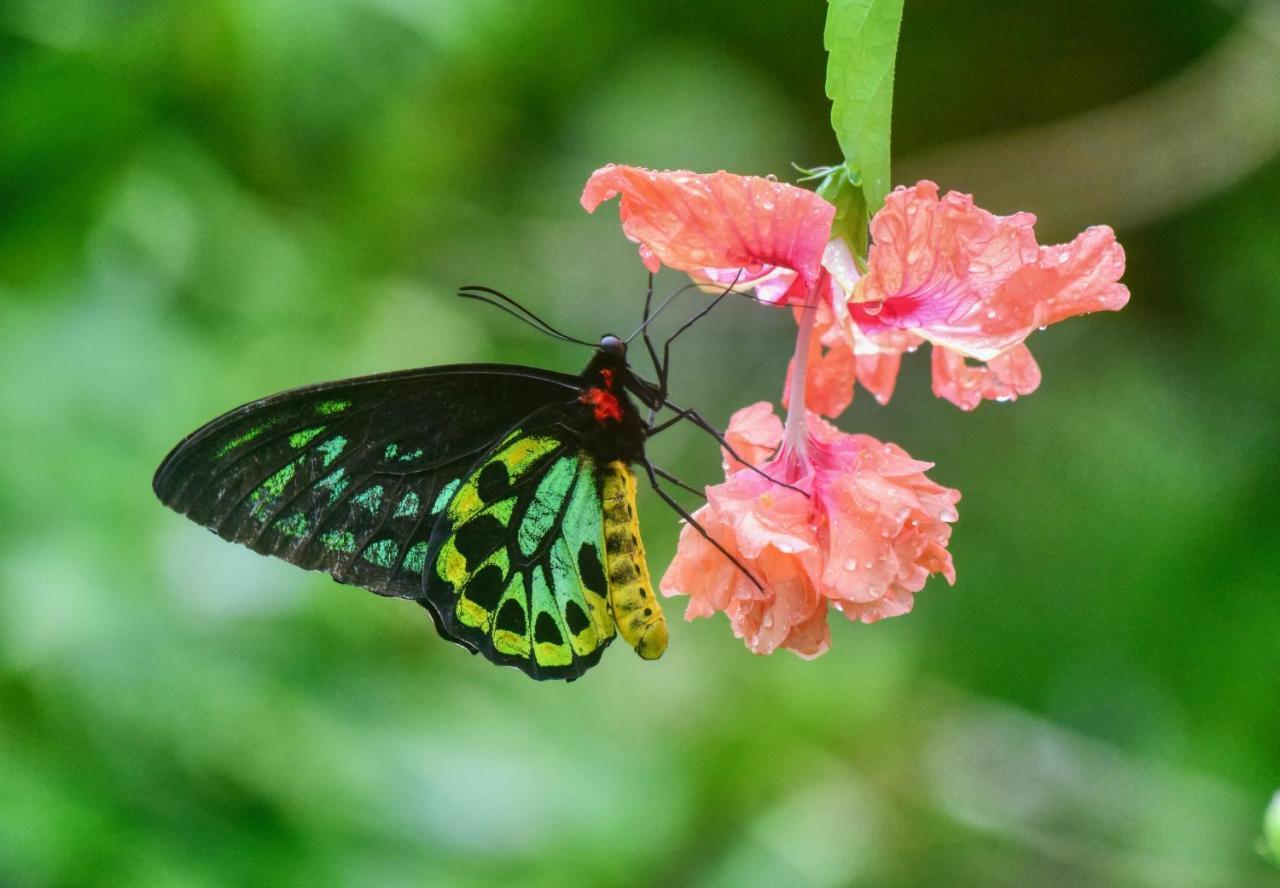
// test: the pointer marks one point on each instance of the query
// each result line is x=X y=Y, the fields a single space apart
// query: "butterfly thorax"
x=608 y=422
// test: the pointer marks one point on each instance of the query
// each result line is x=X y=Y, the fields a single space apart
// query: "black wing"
x=348 y=477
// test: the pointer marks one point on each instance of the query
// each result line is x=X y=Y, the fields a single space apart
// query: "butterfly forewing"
x=515 y=567
x=350 y=477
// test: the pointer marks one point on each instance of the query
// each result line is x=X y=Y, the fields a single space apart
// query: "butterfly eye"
x=613 y=345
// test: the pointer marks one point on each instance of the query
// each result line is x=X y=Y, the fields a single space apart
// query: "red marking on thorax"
x=607 y=376
x=605 y=403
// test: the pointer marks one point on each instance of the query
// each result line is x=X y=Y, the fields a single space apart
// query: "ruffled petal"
x=1003 y=378
x=934 y=258
x=718 y=227
x=977 y=284
x=754 y=433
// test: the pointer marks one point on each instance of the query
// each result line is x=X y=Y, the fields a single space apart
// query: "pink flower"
x=865 y=535
x=976 y=285
x=940 y=269
x=721 y=228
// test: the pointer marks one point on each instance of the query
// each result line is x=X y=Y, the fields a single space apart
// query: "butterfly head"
x=612 y=345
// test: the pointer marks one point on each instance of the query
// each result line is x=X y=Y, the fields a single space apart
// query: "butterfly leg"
x=662 y=473
x=693 y=522
x=648 y=344
x=664 y=372
x=693 y=417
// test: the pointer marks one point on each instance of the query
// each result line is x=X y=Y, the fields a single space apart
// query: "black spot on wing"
x=545 y=629
x=591 y=570
x=479 y=538
x=511 y=618
x=575 y=617
x=493 y=483
x=486 y=587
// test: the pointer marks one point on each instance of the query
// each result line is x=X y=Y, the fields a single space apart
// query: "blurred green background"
x=205 y=202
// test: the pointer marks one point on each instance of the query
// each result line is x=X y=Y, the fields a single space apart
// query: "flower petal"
x=754 y=432
x=718 y=226
x=1003 y=378
x=977 y=284
x=934 y=258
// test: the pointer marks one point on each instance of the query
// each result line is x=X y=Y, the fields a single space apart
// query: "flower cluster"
x=856 y=525
x=860 y=530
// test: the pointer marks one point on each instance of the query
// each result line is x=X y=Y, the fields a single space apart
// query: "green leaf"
x=1271 y=830
x=844 y=189
x=861 y=39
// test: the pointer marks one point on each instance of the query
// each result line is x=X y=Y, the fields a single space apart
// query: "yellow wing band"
x=631 y=599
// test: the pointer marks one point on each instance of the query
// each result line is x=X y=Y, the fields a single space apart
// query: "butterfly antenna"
x=502 y=301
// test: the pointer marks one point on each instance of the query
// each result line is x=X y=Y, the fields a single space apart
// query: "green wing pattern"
x=515 y=566
x=350 y=477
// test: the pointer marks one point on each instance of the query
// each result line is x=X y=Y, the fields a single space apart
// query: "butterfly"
x=499 y=497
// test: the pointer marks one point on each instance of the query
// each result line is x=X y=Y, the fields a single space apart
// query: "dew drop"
x=991 y=313
x=1043 y=327
x=1063 y=257
x=851 y=564
x=873 y=308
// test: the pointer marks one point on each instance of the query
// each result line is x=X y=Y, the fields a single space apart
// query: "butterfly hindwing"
x=350 y=477
x=515 y=567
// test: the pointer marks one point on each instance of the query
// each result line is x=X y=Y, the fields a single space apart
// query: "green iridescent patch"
x=301 y=439
x=382 y=553
x=541 y=513
x=336 y=483
x=293 y=526
x=416 y=558
x=332 y=449
x=329 y=408
x=241 y=439
x=446 y=494
x=271 y=489
x=408 y=506
x=370 y=499
x=339 y=541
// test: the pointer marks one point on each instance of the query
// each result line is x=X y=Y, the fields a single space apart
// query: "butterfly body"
x=499 y=497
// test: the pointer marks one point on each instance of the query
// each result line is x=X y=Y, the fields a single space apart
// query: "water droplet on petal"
x=1043 y=327
x=991 y=313
x=1063 y=257
x=873 y=308
x=851 y=564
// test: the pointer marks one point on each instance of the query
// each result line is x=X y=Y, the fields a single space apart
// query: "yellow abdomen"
x=631 y=599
